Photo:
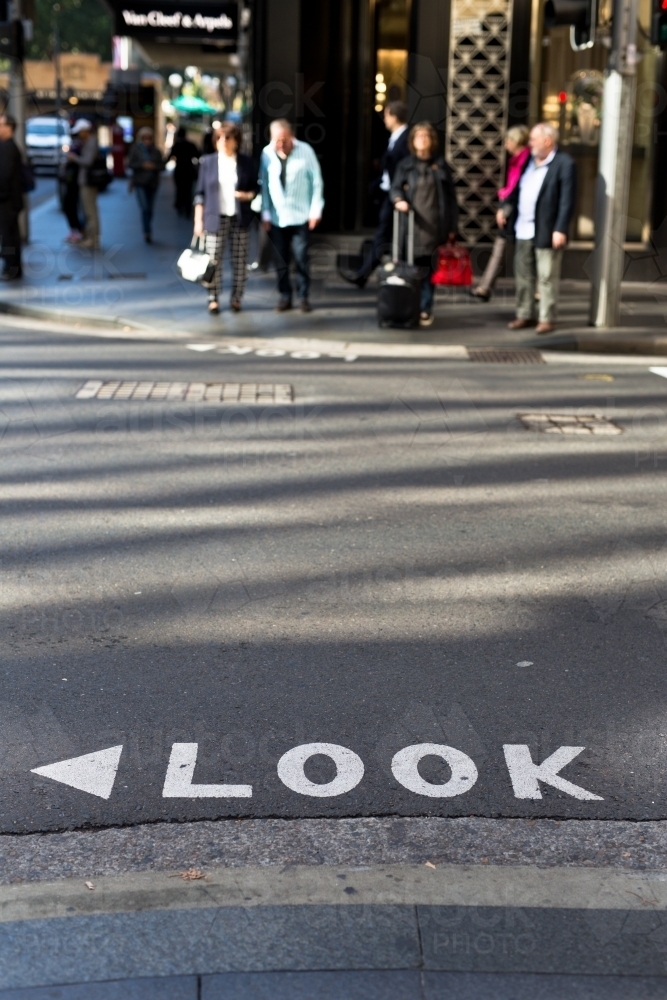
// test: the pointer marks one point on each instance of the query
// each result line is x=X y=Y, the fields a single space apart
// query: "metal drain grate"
x=189 y=392
x=568 y=423
x=489 y=355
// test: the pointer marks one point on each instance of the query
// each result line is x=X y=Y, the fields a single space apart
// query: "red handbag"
x=454 y=267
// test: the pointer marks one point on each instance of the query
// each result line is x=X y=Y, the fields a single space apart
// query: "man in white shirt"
x=292 y=204
x=395 y=121
x=543 y=205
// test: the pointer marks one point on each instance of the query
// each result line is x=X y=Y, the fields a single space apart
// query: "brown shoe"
x=545 y=328
x=283 y=305
x=520 y=324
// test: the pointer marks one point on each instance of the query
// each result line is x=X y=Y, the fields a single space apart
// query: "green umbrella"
x=193 y=105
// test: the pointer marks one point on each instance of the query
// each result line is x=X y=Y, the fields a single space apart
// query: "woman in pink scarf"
x=516 y=144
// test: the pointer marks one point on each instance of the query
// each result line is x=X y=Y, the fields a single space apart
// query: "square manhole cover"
x=569 y=423
x=244 y=393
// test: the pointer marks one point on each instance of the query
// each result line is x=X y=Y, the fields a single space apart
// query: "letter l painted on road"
x=525 y=775
x=181 y=769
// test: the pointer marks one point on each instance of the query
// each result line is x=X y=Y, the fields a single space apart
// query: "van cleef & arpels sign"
x=185 y=21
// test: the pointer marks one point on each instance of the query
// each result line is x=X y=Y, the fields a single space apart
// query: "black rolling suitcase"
x=400 y=284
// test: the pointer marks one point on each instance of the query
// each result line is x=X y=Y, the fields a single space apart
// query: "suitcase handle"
x=411 y=237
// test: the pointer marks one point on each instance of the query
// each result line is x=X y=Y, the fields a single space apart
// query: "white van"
x=45 y=138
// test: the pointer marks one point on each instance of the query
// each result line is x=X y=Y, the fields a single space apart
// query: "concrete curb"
x=624 y=343
x=235 y=844
x=78 y=319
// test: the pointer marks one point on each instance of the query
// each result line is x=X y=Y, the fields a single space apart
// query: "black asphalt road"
x=394 y=560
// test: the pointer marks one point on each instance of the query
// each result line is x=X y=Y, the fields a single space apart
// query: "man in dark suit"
x=11 y=200
x=395 y=120
x=540 y=209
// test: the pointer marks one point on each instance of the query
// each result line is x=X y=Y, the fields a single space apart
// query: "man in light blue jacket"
x=292 y=203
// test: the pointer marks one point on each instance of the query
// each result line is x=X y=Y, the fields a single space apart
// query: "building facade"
x=473 y=68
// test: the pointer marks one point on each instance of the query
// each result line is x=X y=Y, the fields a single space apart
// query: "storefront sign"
x=187 y=21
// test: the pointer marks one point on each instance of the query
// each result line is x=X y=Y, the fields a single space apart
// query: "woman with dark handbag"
x=146 y=163
x=423 y=182
x=226 y=185
x=516 y=144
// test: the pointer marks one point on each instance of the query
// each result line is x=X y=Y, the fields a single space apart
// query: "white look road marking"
x=404 y=769
x=659 y=371
x=272 y=352
x=180 y=771
x=525 y=775
x=94 y=773
x=525 y=663
x=349 y=770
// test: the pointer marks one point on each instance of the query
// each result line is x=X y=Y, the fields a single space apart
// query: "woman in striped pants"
x=226 y=185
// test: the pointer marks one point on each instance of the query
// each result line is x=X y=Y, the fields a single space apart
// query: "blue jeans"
x=288 y=241
x=425 y=264
x=146 y=199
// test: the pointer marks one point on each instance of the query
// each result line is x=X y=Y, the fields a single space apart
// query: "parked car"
x=45 y=138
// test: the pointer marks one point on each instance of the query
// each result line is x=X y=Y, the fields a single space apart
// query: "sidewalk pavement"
x=135 y=285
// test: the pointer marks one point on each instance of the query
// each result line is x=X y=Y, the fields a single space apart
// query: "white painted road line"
x=404 y=767
x=349 y=770
x=95 y=773
x=659 y=370
x=180 y=772
x=526 y=775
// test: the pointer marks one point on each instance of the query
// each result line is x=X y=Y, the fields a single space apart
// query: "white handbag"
x=195 y=264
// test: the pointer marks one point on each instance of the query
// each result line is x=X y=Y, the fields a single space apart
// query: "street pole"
x=59 y=96
x=17 y=84
x=613 y=181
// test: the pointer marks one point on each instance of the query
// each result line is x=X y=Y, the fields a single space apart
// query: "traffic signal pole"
x=613 y=181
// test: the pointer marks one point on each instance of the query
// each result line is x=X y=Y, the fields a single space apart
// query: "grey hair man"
x=539 y=212
x=292 y=203
x=85 y=159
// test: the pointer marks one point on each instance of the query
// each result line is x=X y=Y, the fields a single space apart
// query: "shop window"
x=572 y=85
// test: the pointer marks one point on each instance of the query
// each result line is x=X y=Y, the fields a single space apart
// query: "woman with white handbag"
x=226 y=185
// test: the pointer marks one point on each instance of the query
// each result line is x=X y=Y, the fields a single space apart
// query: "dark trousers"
x=146 y=199
x=382 y=238
x=291 y=241
x=10 y=241
x=425 y=265
x=71 y=206
x=183 y=199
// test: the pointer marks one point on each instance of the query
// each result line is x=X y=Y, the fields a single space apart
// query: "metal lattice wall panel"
x=477 y=98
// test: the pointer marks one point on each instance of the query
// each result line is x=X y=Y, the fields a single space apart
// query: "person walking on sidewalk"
x=69 y=177
x=516 y=144
x=541 y=205
x=395 y=120
x=226 y=185
x=292 y=203
x=424 y=184
x=146 y=162
x=11 y=200
x=88 y=192
x=185 y=156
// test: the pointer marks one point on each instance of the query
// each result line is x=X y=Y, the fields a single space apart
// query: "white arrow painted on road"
x=94 y=773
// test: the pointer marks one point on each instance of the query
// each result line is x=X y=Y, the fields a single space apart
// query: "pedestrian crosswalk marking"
x=262 y=393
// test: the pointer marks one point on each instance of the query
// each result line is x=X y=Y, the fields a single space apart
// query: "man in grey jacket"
x=85 y=159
